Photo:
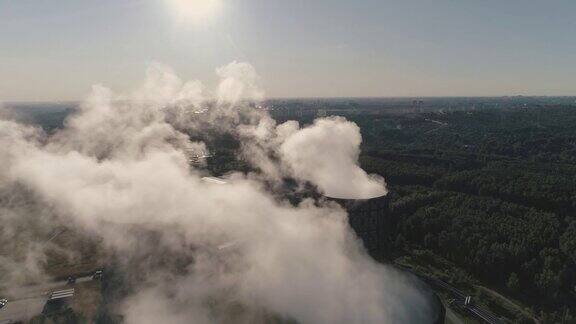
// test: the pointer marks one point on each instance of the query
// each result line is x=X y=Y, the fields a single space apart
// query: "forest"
x=485 y=194
x=490 y=191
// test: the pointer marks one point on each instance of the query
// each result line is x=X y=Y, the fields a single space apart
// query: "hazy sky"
x=56 y=49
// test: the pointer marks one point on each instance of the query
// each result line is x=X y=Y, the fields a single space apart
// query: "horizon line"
x=72 y=101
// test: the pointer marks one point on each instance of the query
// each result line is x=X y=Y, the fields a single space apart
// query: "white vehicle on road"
x=3 y=302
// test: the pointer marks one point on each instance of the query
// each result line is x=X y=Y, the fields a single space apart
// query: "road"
x=459 y=297
x=28 y=301
x=509 y=302
x=22 y=309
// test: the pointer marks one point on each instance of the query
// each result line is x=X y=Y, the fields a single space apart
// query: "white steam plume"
x=326 y=154
x=119 y=170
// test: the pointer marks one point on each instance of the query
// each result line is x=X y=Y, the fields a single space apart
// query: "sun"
x=195 y=11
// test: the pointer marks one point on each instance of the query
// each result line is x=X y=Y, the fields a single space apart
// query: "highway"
x=459 y=297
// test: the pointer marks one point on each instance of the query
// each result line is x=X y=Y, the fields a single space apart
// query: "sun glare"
x=195 y=11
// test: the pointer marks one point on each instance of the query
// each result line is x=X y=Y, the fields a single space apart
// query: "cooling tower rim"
x=354 y=198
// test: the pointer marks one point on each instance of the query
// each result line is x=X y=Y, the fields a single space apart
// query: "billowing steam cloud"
x=326 y=154
x=206 y=253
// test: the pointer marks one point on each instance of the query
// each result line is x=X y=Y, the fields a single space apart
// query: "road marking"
x=62 y=294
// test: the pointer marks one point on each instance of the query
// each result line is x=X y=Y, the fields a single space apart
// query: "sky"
x=57 y=49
